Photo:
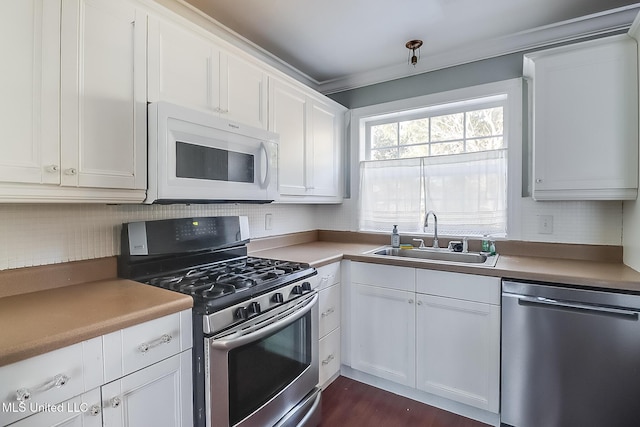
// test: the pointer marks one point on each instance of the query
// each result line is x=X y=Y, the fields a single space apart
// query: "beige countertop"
x=50 y=307
x=606 y=275
x=38 y=322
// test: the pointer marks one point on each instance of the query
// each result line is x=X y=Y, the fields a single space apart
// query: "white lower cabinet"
x=457 y=350
x=383 y=330
x=138 y=376
x=75 y=412
x=329 y=349
x=159 y=395
x=328 y=284
x=435 y=331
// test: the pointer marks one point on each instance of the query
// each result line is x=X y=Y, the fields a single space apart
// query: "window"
x=449 y=157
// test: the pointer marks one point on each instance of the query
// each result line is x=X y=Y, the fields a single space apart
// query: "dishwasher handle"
x=595 y=309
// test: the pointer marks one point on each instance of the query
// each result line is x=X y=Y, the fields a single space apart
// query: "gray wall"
x=471 y=74
x=474 y=73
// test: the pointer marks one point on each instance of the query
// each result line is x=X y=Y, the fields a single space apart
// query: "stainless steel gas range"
x=255 y=319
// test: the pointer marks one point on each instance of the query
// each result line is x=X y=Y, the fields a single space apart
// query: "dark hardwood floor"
x=349 y=403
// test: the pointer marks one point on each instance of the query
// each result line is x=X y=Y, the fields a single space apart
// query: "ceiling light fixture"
x=412 y=45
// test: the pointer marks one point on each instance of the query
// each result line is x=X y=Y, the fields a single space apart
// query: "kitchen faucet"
x=435 y=229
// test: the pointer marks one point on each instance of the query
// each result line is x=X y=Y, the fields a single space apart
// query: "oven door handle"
x=229 y=344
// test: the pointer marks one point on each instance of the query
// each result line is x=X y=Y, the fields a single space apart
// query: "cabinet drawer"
x=83 y=410
x=328 y=275
x=138 y=346
x=329 y=356
x=386 y=276
x=49 y=379
x=329 y=307
x=458 y=285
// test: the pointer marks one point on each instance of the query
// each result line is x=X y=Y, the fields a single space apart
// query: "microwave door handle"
x=267 y=176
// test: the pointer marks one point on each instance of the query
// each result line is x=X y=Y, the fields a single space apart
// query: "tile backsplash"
x=38 y=234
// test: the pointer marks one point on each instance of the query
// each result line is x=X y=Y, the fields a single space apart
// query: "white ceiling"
x=340 y=44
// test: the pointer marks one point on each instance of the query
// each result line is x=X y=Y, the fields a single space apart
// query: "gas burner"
x=216 y=291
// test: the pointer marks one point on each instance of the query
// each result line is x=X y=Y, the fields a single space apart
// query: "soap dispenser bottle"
x=395 y=237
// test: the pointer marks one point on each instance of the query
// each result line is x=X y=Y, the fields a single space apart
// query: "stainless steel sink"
x=439 y=255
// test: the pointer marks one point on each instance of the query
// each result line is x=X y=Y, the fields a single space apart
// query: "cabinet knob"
x=419 y=302
x=95 y=410
x=115 y=402
x=52 y=168
x=22 y=395
x=538 y=180
x=410 y=301
x=71 y=171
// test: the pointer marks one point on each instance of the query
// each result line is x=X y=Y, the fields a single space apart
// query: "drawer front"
x=386 y=276
x=82 y=411
x=328 y=275
x=37 y=383
x=329 y=307
x=458 y=285
x=138 y=346
x=329 y=356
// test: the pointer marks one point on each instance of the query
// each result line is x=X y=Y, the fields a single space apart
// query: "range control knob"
x=306 y=286
x=241 y=313
x=277 y=298
x=254 y=308
x=296 y=290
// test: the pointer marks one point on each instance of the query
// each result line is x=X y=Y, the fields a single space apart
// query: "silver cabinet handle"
x=52 y=168
x=419 y=302
x=328 y=312
x=71 y=171
x=328 y=359
x=410 y=301
x=95 y=410
x=164 y=339
x=24 y=394
x=115 y=402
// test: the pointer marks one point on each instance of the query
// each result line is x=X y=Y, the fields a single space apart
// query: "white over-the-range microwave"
x=196 y=157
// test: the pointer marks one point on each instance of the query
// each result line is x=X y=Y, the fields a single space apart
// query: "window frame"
x=479 y=104
x=458 y=100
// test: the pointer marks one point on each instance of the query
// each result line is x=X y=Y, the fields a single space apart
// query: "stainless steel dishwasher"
x=570 y=357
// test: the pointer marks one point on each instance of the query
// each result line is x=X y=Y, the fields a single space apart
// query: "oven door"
x=196 y=156
x=259 y=371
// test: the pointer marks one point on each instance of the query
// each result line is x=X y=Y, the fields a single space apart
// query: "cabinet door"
x=287 y=117
x=182 y=66
x=159 y=395
x=585 y=113
x=329 y=307
x=325 y=152
x=383 y=333
x=243 y=91
x=81 y=411
x=29 y=91
x=103 y=126
x=458 y=350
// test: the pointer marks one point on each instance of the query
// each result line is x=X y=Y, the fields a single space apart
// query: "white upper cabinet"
x=73 y=101
x=585 y=120
x=29 y=91
x=188 y=68
x=311 y=143
x=103 y=115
